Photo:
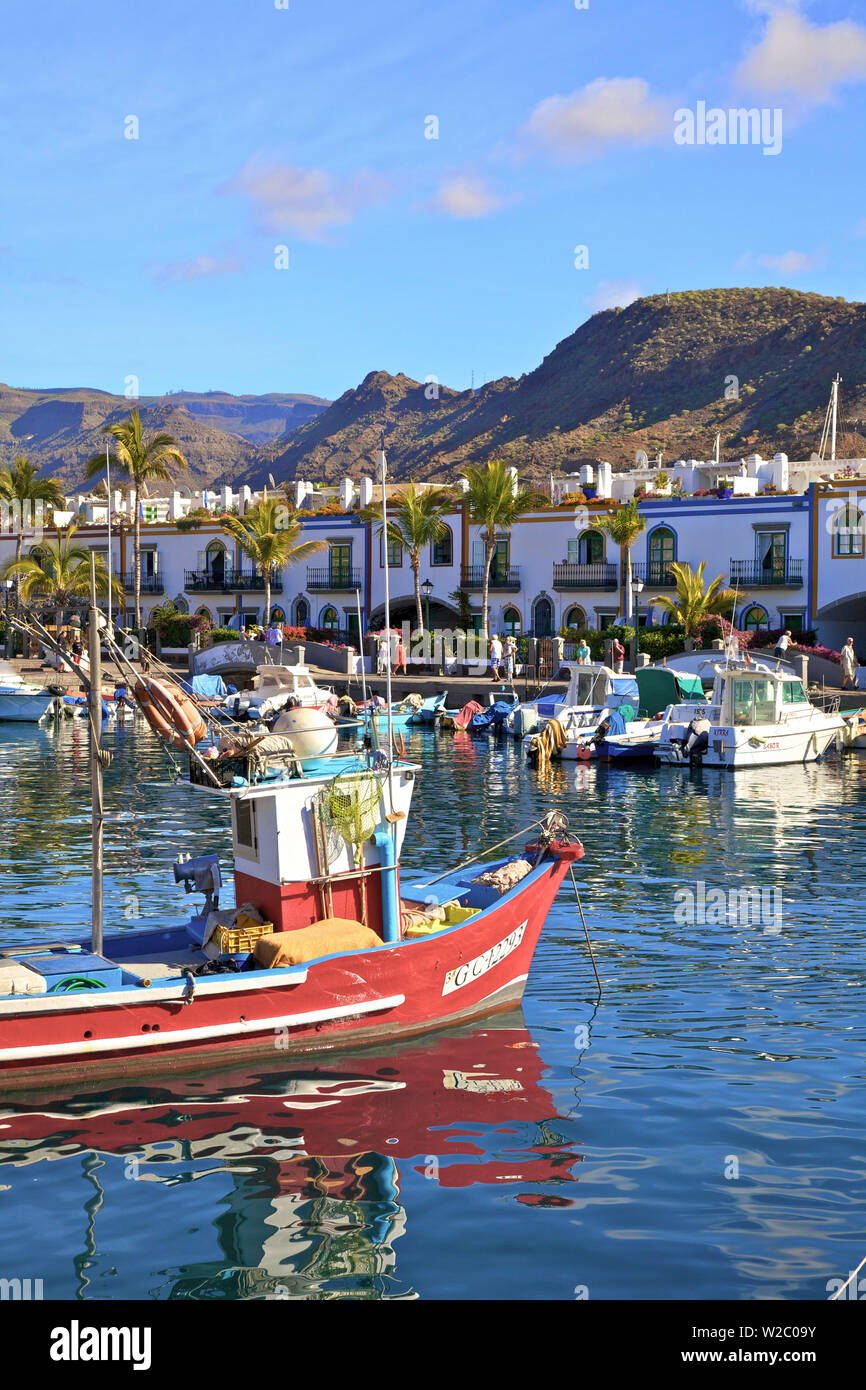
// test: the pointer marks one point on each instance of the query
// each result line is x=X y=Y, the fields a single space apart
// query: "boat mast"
x=108 y=514
x=95 y=710
x=387 y=604
x=834 y=398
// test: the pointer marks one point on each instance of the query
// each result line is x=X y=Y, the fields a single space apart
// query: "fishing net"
x=348 y=812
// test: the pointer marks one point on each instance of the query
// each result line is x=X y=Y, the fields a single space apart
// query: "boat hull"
x=24 y=708
x=350 y=1000
x=734 y=748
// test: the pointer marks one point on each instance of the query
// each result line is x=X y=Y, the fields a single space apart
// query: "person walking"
x=496 y=657
x=384 y=656
x=402 y=658
x=849 y=665
x=583 y=652
x=618 y=651
x=780 y=651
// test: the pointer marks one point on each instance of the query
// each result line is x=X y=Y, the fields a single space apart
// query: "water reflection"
x=318 y=1160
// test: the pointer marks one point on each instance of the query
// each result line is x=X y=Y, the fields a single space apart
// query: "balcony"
x=338 y=580
x=150 y=583
x=472 y=577
x=655 y=574
x=573 y=576
x=786 y=574
x=228 y=581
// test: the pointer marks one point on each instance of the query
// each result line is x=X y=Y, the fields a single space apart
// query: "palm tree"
x=415 y=519
x=22 y=484
x=57 y=574
x=494 y=504
x=624 y=526
x=142 y=460
x=269 y=537
x=693 y=602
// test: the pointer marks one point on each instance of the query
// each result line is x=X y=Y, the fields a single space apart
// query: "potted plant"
x=725 y=487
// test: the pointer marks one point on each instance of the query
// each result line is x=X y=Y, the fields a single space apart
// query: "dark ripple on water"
x=697 y=1133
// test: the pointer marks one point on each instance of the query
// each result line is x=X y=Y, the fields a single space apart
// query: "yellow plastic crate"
x=233 y=941
x=454 y=914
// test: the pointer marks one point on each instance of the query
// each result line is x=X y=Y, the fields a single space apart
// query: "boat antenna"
x=98 y=760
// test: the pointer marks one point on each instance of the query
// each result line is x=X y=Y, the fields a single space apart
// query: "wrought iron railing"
x=338 y=578
x=575 y=576
x=472 y=577
x=229 y=581
x=781 y=574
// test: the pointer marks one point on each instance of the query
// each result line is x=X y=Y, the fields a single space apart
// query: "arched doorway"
x=542 y=617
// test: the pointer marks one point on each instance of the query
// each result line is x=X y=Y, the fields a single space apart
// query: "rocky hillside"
x=652 y=376
x=219 y=433
x=666 y=373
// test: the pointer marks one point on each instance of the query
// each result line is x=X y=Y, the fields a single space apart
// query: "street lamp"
x=427 y=589
x=636 y=590
x=9 y=585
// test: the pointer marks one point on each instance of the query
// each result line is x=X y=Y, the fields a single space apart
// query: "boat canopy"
x=659 y=687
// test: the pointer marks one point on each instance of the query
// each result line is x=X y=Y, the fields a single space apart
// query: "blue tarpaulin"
x=209 y=687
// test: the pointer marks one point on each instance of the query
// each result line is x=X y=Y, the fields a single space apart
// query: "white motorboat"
x=21 y=700
x=274 y=688
x=755 y=718
x=592 y=690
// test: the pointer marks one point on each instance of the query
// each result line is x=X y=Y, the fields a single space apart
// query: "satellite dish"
x=641 y=458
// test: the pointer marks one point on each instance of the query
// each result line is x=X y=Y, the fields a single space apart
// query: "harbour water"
x=695 y=1133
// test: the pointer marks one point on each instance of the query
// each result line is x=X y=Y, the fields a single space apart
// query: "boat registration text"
x=465 y=974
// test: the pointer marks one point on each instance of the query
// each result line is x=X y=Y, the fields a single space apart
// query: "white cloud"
x=791 y=262
x=466 y=195
x=608 y=111
x=306 y=202
x=197 y=268
x=786 y=262
x=614 y=294
x=803 y=59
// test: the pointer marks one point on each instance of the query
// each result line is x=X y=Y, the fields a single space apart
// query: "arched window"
x=543 y=618
x=329 y=620
x=302 y=613
x=848 y=532
x=204 y=613
x=588 y=549
x=511 y=622
x=278 y=615
x=755 y=619
x=662 y=549
x=395 y=553
x=215 y=561
x=442 y=549
x=575 y=617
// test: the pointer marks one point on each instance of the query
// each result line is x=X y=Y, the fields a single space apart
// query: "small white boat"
x=274 y=688
x=20 y=699
x=755 y=718
x=594 y=691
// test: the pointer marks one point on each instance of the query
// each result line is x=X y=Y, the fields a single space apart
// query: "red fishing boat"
x=330 y=943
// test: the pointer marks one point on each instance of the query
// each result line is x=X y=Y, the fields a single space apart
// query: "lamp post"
x=8 y=584
x=426 y=590
x=636 y=591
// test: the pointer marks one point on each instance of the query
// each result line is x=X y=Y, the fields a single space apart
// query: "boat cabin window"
x=794 y=694
x=754 y=702
x=591 y=689
x=245 y=828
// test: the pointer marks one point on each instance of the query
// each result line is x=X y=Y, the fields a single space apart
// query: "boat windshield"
x=794 y=694
x=754 y=702
x=590 y=688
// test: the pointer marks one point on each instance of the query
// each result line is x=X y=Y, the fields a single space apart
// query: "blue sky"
x=304 y=127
